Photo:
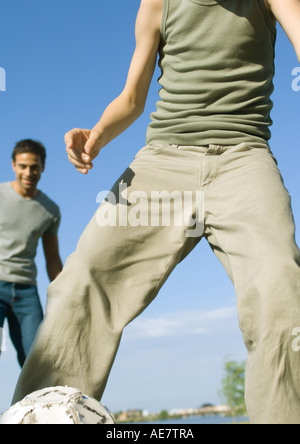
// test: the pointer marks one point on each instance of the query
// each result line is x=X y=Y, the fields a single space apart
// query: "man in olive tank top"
x=207 y=171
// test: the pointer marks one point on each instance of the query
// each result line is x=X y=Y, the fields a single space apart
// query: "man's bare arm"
x=51 y=251
x=287 y=12
x=83 y=146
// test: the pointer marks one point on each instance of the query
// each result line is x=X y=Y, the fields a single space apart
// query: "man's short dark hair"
x=30 y=146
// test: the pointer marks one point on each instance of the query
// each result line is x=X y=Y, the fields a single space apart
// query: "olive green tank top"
x=217 y=63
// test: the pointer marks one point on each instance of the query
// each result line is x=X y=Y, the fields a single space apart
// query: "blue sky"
x=64 y=62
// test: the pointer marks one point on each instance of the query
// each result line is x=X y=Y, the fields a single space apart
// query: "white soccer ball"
x=57 y=405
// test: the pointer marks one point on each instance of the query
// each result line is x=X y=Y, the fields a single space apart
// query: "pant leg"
x=4 y=305
x=24 y=319
x=250 y=227
x=114 y=274
x=3 y=312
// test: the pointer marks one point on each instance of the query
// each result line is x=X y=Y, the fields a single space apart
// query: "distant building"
x=130 y=415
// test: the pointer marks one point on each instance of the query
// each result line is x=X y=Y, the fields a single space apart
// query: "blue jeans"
x=20 y=305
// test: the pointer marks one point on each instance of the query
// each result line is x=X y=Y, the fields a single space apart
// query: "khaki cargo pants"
x=166 y=201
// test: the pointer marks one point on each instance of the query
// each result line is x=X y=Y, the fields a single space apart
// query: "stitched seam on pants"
x=292 y=380
x=228 y=257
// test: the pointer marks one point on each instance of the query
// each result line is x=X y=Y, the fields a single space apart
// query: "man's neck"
x=27 y=194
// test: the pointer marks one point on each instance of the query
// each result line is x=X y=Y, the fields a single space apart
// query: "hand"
x=82 y=147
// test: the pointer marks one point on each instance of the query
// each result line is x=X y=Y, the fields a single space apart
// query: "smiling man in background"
x=26 y=215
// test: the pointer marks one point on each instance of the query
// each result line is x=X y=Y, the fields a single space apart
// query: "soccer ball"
x=57 y=405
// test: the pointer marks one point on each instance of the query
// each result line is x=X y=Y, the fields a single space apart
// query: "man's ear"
x=13 y=164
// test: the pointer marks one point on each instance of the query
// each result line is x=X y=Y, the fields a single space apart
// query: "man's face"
x=28 y=168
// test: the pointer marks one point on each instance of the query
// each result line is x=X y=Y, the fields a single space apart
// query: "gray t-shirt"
x=22 y=223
